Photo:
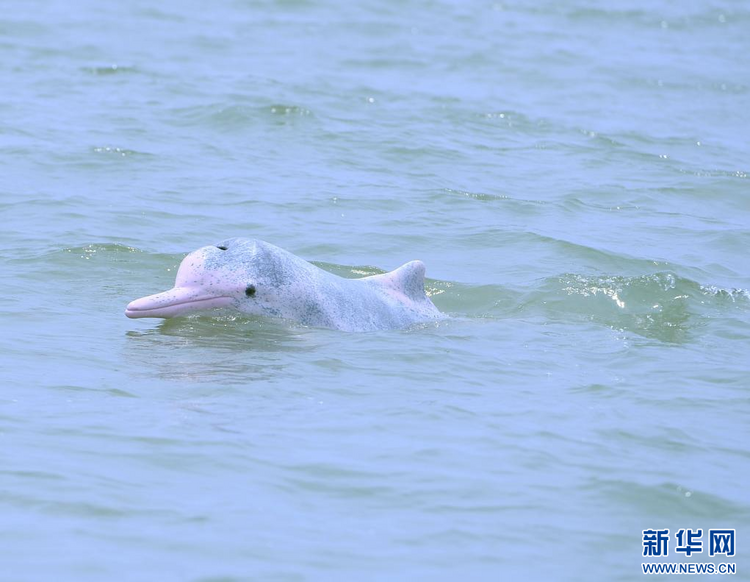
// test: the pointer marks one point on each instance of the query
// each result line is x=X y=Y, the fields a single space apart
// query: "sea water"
x=574 y=176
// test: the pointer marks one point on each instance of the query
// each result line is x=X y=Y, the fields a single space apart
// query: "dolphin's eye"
x=221 y=247
x=250 y=290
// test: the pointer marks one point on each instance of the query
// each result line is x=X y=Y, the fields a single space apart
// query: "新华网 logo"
x=718 y=542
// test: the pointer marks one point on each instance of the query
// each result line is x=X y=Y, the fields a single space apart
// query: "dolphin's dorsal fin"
x=408 y=279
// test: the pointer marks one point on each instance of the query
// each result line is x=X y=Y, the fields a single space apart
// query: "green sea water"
x=574 y=176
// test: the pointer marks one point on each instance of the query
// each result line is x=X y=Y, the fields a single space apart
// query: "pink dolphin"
x=258 y=278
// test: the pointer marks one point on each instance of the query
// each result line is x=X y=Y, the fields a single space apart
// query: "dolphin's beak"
x=175 y=302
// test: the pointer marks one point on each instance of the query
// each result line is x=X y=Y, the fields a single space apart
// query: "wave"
x=661 y=305
x=234 y=116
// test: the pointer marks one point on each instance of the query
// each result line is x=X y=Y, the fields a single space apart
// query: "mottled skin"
x=259 y=278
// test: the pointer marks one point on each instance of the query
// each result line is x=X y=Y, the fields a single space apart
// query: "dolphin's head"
x=242 y=274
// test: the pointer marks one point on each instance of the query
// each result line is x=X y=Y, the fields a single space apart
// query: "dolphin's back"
x=407 y=280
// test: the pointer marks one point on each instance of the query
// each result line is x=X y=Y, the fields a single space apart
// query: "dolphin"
x=258 y=278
